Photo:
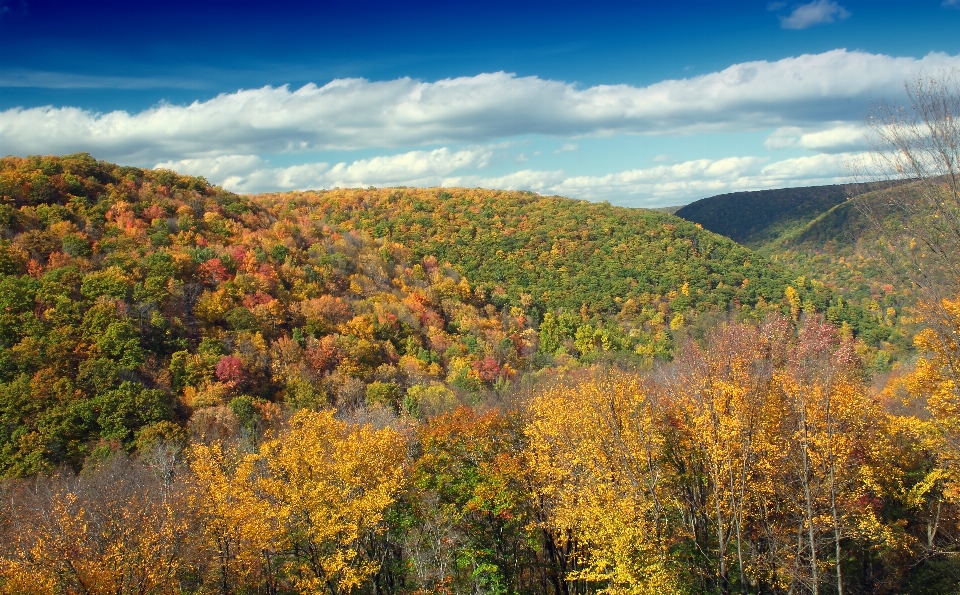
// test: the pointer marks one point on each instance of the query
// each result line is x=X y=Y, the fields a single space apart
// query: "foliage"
x=633 y=277
x=446 y=391
x=756 y=462
x=130 y=298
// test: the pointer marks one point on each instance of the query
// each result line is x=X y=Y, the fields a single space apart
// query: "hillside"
x=135 y=301
x=463 y=374
x=577 y=259
x=758 y=217
x=820 y=232
x=752 y=218
x=844 y=248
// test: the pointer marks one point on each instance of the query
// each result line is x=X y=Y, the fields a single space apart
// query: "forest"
x=449 y=390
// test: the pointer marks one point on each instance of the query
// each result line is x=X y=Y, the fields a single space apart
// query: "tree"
x=471 y=525
x=595 y=454
x=916 y=145
x=236 y=528
x=330 y=485
x=67 y=534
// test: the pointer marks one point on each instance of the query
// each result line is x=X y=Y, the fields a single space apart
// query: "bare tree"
x=916 y=145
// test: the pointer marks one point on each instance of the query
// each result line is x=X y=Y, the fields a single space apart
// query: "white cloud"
x=527 y=179
x=814 y=13
x=677 y=182
x=566 y=148
x=783 y=138
x=950 y=4
x=838 y=138
x=804 y=169
x=214 y=168
x=249 y=173
x=654 y=186
x=804 y=91
x=692 y=180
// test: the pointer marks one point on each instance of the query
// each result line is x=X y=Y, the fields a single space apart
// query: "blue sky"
x=639 y=103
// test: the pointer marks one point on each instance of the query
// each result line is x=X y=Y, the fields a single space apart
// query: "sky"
x=642 y=104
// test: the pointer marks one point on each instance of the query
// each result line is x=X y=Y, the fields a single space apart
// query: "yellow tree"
x=240 y=532
x=936 y=378
x=595 y=454
x=934 y=385
x=68 y=535
x=728 y=446
x=329 y=485
x=831 y=420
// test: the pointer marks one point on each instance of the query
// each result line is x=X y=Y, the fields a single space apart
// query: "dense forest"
x=621 y=268
x=839 y=235
x=449 y=391
x=762 y=217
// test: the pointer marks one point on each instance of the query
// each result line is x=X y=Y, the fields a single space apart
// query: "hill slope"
x=845 y=249
x=135 y=302
x=649 y=272
x=755 y=218
x=821 y=233
x=752 y=218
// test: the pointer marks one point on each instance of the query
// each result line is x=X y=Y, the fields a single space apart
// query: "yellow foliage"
x=935 y=380
x=211 y=307
x=236 y=524
x=209 y=395
x=319 y=488
x=593 y=449
x=677 y=322
x=122 y=547
x=330 y=484
x=793 y=301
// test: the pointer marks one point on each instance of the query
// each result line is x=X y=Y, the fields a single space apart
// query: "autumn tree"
x=68 y=534
x=596 y=452
x=470 y=506
x=917 y=142
x=329 y=484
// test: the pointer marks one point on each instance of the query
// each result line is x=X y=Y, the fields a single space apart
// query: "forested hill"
x=562 y=253
x=845 y=248
x=753 y=218
x=135 y=301
x=820 y=232
x=557 y=254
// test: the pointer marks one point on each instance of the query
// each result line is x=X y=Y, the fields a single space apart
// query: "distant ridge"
x=761 y=216
x=752 y=218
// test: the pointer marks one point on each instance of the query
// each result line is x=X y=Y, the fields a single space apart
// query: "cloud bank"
x=250 y=173
x=804 y=91
x=658 y=185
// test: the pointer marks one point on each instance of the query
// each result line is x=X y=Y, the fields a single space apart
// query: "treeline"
x=757 y=462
